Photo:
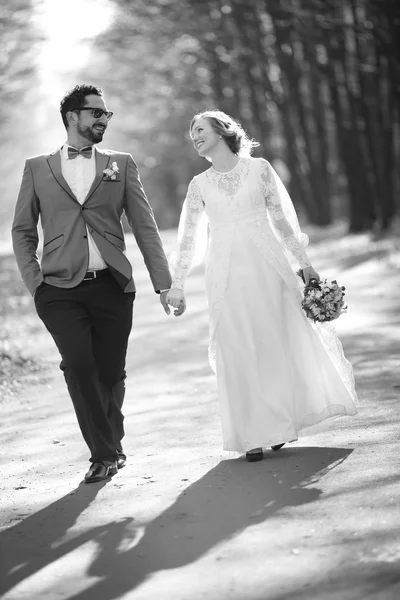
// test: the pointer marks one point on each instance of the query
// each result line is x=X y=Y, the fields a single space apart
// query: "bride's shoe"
x=277 y=447
x=254 y=455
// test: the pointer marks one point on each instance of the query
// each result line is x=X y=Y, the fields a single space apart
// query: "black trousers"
x=90 y=325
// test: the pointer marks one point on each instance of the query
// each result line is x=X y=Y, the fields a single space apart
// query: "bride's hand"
x=310 y=273
x=182 y=307
x=175 y=297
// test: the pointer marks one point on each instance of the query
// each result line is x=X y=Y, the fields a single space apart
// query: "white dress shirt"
x=79 y=173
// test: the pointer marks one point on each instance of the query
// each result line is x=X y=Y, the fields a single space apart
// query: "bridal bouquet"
x=323 y=301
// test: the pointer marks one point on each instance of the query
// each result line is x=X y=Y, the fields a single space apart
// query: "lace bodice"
x=251 y=195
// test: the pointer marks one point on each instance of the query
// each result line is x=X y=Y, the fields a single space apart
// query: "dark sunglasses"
x=97 y=112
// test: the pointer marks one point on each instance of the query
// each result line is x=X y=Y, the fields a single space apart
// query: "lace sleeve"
x=192 y=236
x=283 y=214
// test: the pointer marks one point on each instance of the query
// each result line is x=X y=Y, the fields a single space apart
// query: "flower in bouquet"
x=323 y=301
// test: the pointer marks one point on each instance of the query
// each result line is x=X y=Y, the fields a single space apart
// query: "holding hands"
x=176 y=298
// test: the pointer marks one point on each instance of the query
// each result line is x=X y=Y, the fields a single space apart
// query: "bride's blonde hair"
x=230 y=130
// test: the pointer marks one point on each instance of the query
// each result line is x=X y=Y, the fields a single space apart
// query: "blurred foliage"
x=16 y=59
x=20 y=365
x=315 y=81
x=20 y=45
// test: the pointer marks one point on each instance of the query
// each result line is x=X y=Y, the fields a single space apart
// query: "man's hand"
x=163 y=300
x=310 y=273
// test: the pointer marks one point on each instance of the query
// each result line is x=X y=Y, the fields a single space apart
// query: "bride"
x=277 y=373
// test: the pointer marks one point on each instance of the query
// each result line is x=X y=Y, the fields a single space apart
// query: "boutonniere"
x=111 y=172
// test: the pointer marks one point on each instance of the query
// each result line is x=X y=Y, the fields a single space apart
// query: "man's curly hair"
x=77 y=97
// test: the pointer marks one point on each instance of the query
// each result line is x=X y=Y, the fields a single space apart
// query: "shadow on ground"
x=30 y=545
x=220 y=505
x=366 y=581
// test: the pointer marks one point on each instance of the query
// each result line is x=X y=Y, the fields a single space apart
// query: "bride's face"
x=204 y=137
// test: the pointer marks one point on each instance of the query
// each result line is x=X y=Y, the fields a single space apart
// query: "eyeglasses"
x=97 y=112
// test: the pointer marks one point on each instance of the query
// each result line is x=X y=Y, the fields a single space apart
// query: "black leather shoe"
x=254 y=455
x=278 y=447
x=121 y=460
x=100 y=471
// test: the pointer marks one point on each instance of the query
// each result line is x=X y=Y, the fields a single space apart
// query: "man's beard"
x=91 y=135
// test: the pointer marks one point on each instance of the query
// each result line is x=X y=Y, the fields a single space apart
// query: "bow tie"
x=86 y=152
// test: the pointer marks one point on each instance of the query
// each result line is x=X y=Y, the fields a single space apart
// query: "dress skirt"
x=275 y=377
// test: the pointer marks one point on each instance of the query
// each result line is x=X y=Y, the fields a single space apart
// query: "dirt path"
x=319 y=520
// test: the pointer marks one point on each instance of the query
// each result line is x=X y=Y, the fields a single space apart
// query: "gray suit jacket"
x=64 y=263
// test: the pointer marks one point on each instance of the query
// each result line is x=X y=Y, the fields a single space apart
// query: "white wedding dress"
x=277 y=372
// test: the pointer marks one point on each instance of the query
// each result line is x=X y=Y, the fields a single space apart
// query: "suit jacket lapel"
x=54 y=162
x=102 y=161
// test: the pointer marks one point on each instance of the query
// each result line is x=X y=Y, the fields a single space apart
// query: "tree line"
x=316 y=82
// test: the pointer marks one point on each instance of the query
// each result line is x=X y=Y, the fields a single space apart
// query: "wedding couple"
x=277 y=374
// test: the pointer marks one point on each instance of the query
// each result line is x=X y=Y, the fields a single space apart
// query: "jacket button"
x=85 y=236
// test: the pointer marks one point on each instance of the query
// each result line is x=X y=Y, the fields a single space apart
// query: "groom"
x=83 y=287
